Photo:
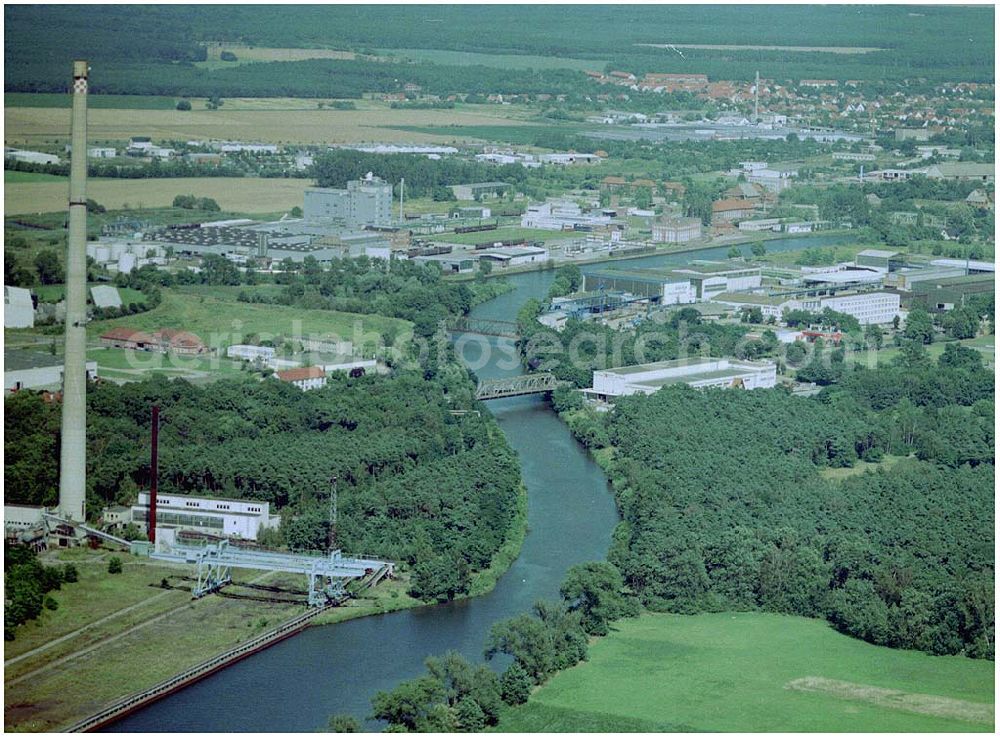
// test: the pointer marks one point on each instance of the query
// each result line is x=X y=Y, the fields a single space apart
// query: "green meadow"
x=224 y=322
x=756 y=672
x=119 y=102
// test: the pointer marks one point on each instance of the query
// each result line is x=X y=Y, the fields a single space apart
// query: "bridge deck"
x=335 y=565
x=528 y=384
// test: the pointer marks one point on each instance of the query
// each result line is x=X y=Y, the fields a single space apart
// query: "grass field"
x=268 y=121
x=240 y=194
x=10 y=176
x=88 y=670
x=221 y=323
x=986 y=345
x=269 y=54
x=503 y=234
x=743 y=672
x=837 y=474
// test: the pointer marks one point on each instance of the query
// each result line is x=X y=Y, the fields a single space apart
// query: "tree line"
x=455 y=695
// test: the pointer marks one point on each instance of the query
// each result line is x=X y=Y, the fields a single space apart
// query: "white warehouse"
x=700 y=373
x=214 y=515
x=867 y=307
x=247 y=352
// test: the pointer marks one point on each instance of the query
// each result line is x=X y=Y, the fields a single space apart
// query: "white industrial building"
x=247 y=352
x=867 y=307
x=713 y=278
x=30 y=157
x=700 y=373
x=560 y=216
x=760 y=225
x=36 y=370
x=774 y=180
x=18 y=308
x=216 y=516
x=513 y=256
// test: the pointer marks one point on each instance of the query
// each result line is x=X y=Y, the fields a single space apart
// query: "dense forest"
x=151 y=49
x=724 y=506
x=424 y=177
x=416 y=483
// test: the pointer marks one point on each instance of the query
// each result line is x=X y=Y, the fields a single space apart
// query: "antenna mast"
x=756 y=98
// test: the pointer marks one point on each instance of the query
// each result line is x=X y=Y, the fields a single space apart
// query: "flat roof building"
x=676 y=230
x=868 y=308
x=886 y=261
x=951 y=292
x=479 y=190
x=513 y=256
x=18 y=308
x=35 y=370
x=213 y=515
x=701 y=373
x=366 y=201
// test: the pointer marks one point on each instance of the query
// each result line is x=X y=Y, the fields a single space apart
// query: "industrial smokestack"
x=73 y=455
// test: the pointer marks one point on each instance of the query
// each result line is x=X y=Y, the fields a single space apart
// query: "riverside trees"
x=723 y=505
x=416 y=484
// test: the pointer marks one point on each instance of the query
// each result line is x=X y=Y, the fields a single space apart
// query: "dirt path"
x=925 y=704
x=111 y=639
x=78 y=631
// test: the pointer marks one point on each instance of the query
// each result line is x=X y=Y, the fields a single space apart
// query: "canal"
x=297 y=684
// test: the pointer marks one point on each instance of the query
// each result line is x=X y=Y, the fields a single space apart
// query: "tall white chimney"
x=73 y=454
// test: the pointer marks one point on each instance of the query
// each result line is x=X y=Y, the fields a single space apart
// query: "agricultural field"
x=247 y=54
x=504 y=61
x=248 y=195
x=221 y=323
x=755 y=672
x=26 y=126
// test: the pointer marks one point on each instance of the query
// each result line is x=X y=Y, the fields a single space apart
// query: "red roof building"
x=305 y=378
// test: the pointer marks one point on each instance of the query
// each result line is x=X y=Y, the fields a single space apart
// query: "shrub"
x=114 y=565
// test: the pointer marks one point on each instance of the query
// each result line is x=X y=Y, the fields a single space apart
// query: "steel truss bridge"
x=483 y=326
x=327 y=575
x=528 y=384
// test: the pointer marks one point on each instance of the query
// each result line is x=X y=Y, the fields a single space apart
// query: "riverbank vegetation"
x=724 y=507
x=455 y=695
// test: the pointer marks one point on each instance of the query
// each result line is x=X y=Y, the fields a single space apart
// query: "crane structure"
x=327 y=575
